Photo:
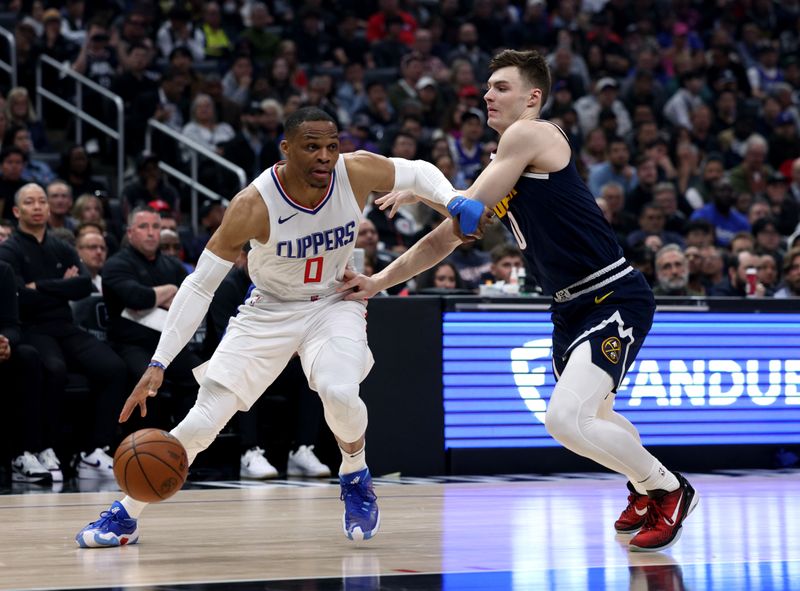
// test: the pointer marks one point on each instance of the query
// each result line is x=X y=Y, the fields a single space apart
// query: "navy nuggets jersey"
x=559 y=227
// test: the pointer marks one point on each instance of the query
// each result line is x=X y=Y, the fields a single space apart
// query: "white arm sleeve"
x=424 y=179
x=190 y=305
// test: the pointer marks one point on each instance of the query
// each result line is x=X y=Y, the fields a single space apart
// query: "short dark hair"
x=504 y=250
x=300 y=116
x=531 y=65
x=139 y=209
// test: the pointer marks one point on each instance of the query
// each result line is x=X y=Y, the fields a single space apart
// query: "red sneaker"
x=633 y=516
x=665 y=514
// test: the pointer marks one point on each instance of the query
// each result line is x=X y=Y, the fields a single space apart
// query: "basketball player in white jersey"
x=301 y=218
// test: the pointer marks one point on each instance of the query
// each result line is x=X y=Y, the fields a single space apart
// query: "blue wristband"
x=468 y=212
x=157 y=364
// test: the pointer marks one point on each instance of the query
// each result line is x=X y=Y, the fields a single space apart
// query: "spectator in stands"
x=373 y=250
x=646 y=179
x=131 y=31
x=713 y=265
x=73 y=25
x=12 y=163
x=694 y=263
x=735 y=284
x=178 y=31
x=138 y=286
x=37 y=171
x=742 y=241
x=150 y=185
x=92 y=251
x=217 y=44
x=441 y=277
x=25 y=395
x=605 y=96
x=784 y=145
x=19 y=111
x=48 y=277
x=768 y=239
x=97 y=61
x=467 y=147
x=720 y=213
x=699 y=191
x=768 y=273
x=622 y=221
x=170 y=245
x=88 y=209
x=672 y=273
x=615 y=169
x=57 y=46
x=377 y=23
x=135 y=78
x=210 y=217
x=506 y=259
x=251 y=148
x=651 y=223
x=680 y=106
x=783 y=209
x=6 y=229
x=76 y=170
x=791 y=275
x=167 y=105
x=314 y=44
x=751 y=175
x=237 y=82
x=263 y=43
x=204 y=128
x=59 y=200
x=700 y=233
x=469 y=50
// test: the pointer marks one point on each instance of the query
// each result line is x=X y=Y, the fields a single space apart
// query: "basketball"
x=150 y=465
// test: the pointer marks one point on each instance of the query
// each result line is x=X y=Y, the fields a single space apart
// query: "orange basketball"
x=150 y=465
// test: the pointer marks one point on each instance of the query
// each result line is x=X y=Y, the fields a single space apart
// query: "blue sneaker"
x=114 y=528
x=361 y=518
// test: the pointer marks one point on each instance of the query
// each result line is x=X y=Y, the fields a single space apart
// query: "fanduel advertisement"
x=700 y=378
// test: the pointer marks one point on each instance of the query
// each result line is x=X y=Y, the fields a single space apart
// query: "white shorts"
x=266 y=333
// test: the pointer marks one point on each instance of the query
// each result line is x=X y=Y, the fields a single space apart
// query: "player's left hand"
x=360 y=286
x=395 y=200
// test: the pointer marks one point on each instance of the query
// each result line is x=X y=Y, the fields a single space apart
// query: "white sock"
x=639 y=488
x=133 y=507
x=659 y=479
x=353 y=462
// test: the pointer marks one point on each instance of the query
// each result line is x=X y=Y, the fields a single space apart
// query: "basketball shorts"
x=266 y=333
x=615 y=319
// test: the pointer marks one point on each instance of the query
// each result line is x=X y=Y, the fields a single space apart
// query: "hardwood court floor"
x=511 y=533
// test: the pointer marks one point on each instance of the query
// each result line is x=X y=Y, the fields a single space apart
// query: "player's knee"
x=345 y=412
x=562 y=418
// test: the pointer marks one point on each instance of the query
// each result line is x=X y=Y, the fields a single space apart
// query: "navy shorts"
x=615 y=319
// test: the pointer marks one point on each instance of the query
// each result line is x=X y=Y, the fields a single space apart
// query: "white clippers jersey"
x=308 y=249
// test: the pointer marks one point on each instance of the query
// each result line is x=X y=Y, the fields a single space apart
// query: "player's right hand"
x=147 y=387
x=360 y=286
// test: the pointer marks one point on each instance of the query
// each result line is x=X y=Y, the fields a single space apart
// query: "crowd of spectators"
x=684 y=119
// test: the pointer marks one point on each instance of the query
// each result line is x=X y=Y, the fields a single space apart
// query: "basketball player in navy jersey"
x=301 y=218
x=602 y=308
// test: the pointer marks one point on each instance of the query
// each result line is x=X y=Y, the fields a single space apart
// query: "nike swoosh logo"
x=92 y=464
x=281 y=220
x=640 y=512
x=671 y=521
x=599 y=299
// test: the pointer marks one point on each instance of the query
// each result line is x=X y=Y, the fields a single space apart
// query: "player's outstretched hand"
x=360 y=286
x=395 y=200
x=147 y=387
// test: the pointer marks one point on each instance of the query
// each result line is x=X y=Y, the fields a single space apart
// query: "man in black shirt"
x=138 y=285
x=48 y=277
x=22 y=382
